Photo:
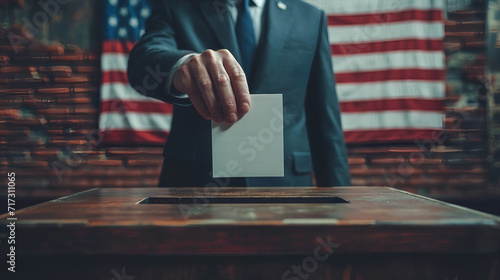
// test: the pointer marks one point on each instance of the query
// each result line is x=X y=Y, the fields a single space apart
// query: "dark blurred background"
x=49 y=103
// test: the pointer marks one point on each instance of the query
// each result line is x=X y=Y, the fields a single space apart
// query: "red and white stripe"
x=128 y=117
x=389 y=67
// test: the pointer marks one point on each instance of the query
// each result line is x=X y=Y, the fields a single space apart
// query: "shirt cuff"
x=169 y=86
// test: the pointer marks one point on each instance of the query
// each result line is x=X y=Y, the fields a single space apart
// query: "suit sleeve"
x=154 y=56
x=323 y=118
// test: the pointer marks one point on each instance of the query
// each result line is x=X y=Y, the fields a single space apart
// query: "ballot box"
x=253 y=233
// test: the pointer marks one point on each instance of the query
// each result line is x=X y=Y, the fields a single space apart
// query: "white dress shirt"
x=256 y=10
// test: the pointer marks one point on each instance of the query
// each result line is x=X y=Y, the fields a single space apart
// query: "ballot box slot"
x=244 y=200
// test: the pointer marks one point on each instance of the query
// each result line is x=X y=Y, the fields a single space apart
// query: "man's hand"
x=216 y=85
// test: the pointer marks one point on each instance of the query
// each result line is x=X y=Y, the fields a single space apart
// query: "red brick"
x=89 y=122
x=469 y=182
x=468 y=26
x=67 y=142
x=453 y=46
x=144 y=162
x=54 y=132
x=92 y=56
x=45 y=153
x=70 y=183
x=104 y=162
x=451 y=172
x=367 y=171
x=40 y=101
x=85 y=89
x=56 y=71
x=74 y=57
x=34 y=183
x=80 y=109
x=152 y=150
x=458 y=37
x=426 y=181
x=53 y=90
x=4 y=59
x=441 y=149
x=469 y=111
x=32 y=163
x=386 y=161
x=39 y=49
x=22 y=81
x=405 y=150
x=145 y=156
x=17 y=91
x=56 y=110
x=72 y=137
x=28 y=174
x=25 y=121
x=25 y=142
x=378 y=182
x=367 y=150
x=17 y=134
x=122 y=151
x=86 y=69
x=140 y=183
x=72 y=132
x=450 y=122
x=425 y=161
x=466 y=15
x=17 y=69
x=71 y=80
x=474 y=45
x=356 y=161
x=406 y=170
x=114 y=171
x=74 y=100
x=476 y=161
x=72 y=116
x=360 y=181
x=9 y=49
x=9 y=113
x=107 y=182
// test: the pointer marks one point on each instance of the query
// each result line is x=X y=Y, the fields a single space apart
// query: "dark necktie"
x=246 y=36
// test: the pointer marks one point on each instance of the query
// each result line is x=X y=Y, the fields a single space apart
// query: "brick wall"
x=493 y=77
x=49 y=113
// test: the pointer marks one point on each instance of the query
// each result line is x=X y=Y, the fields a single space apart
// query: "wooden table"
x=254 y=233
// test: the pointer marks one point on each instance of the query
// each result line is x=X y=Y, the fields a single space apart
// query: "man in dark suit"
x=210 y=65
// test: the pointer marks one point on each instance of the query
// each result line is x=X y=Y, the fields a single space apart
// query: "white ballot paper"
x=253 y=146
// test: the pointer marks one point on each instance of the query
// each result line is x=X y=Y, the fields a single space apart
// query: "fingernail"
x=232 y=118
x=245 y=107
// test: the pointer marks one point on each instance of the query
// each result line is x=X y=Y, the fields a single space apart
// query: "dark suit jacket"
x=293 y=58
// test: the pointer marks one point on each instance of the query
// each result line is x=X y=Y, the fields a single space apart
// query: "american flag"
x=127 y=117
x=387 y=56
x=388 y=61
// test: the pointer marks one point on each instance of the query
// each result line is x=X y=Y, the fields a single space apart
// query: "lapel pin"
x=282 y=5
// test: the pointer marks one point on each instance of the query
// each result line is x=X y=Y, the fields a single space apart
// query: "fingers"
x=216 y=85
x=223 y=87
x=205 y=88
x=199 y=105
x=184 y=82
x=239 y=85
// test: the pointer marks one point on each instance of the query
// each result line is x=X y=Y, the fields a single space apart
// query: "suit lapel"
x=217 y=16
x=276 y=29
